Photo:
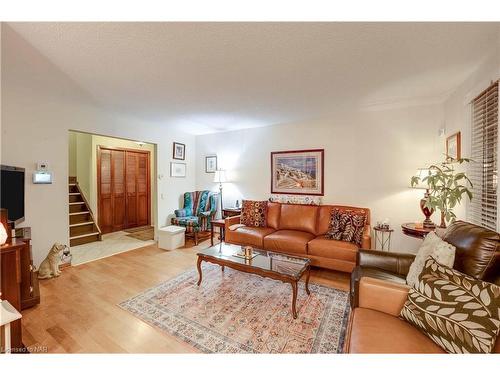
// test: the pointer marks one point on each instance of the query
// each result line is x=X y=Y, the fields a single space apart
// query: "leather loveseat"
x=379 y=290
x=300 y=230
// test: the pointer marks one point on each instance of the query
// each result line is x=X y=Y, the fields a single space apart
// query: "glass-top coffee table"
x=282 y=267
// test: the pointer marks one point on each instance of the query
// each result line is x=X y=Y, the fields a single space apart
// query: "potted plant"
x=446 y=188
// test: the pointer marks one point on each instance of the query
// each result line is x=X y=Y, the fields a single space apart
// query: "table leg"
x=222 y=234
x=294 y=299
x=307 y=279
x=222 y=268
x=198 y=265
x=8 y=348
x=212 y=235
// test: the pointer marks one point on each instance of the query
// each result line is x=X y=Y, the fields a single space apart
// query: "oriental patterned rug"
x=235 y=312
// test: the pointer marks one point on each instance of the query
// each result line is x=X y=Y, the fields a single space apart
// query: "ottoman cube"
x=171 y=237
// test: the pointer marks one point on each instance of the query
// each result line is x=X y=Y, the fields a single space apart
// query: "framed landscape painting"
x=297 y=172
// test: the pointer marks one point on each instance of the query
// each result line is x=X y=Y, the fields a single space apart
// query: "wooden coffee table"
x=282 y=267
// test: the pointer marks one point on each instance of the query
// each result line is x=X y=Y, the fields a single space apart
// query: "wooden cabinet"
x=10 y=285
x=123 y=188
x=30 y=291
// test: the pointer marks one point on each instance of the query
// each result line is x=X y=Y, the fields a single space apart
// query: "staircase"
x=82 y=226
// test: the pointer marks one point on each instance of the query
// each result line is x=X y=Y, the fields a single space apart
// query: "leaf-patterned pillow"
x=456 y=311
x=347 y=226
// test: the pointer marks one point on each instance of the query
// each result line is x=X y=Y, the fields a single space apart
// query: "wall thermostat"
x=42 y=166
x=42 y=177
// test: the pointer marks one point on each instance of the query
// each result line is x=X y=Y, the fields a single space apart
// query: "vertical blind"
x=483 y=170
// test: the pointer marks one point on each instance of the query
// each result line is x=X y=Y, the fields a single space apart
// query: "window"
x=483 y=170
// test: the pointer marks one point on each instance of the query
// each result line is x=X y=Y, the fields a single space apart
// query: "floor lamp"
x=220 y=177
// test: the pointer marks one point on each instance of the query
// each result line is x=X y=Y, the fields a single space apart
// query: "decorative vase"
x=427 y=212
x=443 y=221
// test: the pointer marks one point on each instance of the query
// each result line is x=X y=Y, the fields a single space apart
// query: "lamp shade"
x=220 y=176
x=3 y=234
x=421 y=174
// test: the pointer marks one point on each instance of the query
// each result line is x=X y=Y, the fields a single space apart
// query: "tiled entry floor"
x=111 y=244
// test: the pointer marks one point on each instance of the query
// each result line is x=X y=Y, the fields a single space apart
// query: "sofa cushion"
x=377 y=332
x=299 y=217
x=254 y=213
x=252 y=236
x=432 y=246
x=324 y=215
x=273 y=215
x=347 y=226
x=320 y=246
x=288 y=241
x=456 y=311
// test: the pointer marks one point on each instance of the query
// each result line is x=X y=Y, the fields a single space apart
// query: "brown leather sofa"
x=299 y=230
x=379 y=290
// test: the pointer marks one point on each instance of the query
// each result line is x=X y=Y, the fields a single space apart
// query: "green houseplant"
x=446 y=188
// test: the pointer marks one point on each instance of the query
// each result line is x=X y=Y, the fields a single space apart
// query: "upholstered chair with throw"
x=199 y=210
x=387 y=314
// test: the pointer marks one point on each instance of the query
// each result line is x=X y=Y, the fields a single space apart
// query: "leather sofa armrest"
x=367 y=238
x=398 y=263
x=382 y=295
x=231 y=221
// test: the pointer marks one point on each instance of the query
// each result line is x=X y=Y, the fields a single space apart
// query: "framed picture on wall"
x=298 y=172
x=179 y=151
x=177 y=169
x=210 y=164
x=453 y=147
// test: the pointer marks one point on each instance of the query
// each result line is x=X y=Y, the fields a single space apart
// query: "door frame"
x=98 y=179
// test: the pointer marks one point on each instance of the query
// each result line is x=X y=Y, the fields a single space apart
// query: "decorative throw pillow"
x=456 y=311
x=347 y=225
x=254 y=213
x=433 y=246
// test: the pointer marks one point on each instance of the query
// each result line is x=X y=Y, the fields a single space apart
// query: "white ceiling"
x=208 y=77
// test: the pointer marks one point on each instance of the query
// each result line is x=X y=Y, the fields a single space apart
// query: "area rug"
x=235 y=312
x=141 y=233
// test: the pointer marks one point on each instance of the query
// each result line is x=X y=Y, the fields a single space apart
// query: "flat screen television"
x=12 y=192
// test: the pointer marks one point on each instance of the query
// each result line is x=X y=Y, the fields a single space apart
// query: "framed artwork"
x=179 y=151
x=298 y=172
x=177 y=169
x=210 y=164
x=453 y=147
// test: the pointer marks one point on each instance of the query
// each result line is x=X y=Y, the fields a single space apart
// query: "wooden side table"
x=416 y=230
x=383 y=238
x=220 y=223
x=231 y=211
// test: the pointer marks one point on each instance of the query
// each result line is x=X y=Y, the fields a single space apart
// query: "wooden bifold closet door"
x=123 y=188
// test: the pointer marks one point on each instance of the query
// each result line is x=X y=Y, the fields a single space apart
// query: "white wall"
x=39 y=105
x=83 y=161
x=369 y=159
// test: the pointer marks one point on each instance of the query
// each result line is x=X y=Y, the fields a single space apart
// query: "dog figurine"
x=50 y=266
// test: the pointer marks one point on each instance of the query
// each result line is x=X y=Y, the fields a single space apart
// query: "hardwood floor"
x=79 y=313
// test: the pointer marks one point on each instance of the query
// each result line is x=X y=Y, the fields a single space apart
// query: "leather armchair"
x=381 y=265
x=477 y=254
